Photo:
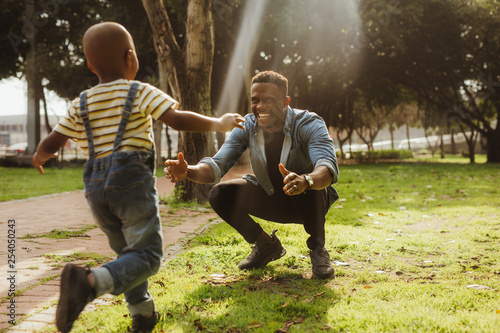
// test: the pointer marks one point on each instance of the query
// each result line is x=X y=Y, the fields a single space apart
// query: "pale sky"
x=13 y=100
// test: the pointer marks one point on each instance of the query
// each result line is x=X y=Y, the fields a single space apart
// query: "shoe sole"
x=325 y=276
x=269 y=259
x=64 y=322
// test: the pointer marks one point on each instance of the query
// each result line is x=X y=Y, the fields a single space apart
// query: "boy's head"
x=110 y=52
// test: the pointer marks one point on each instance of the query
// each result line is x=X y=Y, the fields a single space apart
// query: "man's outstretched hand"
x=294 y=183
x=176 y=170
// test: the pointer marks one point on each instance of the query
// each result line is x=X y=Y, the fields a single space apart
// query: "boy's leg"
x=126 y=208
x=136 y=206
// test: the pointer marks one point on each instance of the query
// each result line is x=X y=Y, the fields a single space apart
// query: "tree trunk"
x=33 y=120
x=189 y=71
x=441 y=143
x=493 y=149
x=391 y=130
x=453 y=143
x=157 y=128
x=408 y=135
x=48 y=128
x=169 y=143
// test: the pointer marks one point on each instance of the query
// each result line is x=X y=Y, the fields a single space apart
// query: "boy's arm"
x=195 y=122
x=48 y=149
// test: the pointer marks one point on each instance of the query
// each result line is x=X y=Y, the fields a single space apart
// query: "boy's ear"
x=128 y=58
x=91 y=68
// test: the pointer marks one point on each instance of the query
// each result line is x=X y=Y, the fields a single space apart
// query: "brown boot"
x=263 y=253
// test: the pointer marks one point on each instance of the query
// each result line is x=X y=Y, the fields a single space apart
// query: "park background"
x=414 y=237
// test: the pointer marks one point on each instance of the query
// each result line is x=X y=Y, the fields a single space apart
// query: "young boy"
x=112 y=124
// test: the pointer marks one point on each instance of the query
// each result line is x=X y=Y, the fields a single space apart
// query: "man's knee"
x=214 y=196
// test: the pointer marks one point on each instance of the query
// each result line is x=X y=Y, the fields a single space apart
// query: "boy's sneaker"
x=321 y=264
x=141 y=324
x=76 y=292
x=262 y=254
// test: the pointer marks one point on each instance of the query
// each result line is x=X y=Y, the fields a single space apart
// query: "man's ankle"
x=263 y=238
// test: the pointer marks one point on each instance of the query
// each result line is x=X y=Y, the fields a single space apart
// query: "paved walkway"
x=37 y=275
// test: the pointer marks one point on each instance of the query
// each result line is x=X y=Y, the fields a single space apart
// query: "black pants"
x=235 y=200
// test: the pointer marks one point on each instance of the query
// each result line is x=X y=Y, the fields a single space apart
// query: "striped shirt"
x=105 y=105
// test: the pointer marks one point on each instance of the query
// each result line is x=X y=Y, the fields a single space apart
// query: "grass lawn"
x=415 y=245
x=22 y=183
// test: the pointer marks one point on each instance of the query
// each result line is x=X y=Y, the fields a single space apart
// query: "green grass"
x=416 y=238
x=62 y=234
x=22 y=183
x=92 y=259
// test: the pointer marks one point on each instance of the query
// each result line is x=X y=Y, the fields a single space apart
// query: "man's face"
x=269 y=105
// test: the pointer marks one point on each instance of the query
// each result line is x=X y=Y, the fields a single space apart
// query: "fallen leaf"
x=199 y=325
x=253 y=324
x=327 y=327
x=480 y=287
x=160 y=283
x=367 y=287
x=286 y=303
x=218 y=275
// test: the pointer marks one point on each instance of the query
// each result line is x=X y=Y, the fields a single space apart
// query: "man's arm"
x=177 y=170
x=48 y=149
x=296 y=184
x=195 y=122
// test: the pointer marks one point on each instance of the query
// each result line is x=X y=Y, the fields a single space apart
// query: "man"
x=294 y=162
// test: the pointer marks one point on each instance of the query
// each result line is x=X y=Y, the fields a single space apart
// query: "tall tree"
x=448 y=51
x=188 y=68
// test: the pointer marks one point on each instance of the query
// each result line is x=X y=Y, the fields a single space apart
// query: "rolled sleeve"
x=331 y=166
x=215 y=168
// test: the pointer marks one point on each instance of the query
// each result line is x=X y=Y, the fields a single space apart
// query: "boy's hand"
x=39 y=164
x=229 y=121
x=176 y=170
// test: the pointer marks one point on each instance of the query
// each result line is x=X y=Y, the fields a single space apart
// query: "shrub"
x=390 y=154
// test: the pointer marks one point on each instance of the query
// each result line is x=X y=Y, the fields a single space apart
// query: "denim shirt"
x=306 y=146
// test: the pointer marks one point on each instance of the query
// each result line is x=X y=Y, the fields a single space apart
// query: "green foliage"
x=373 y=155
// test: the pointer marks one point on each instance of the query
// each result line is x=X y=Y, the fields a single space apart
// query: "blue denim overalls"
x=120 y=189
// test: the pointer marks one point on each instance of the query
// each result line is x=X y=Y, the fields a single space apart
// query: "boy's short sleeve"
x=152 y=101
x=71 y=125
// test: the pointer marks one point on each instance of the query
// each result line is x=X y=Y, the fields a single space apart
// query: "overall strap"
x=84 y=114
x=127 y=110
